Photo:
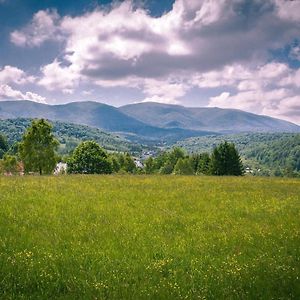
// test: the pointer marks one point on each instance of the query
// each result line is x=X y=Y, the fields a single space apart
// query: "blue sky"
x=228 y=53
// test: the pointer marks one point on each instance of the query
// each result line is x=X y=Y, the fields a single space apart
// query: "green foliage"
x=204 y=164
x=266 y=152
x=9 y=164
x=37 y=149
x=175 y=155
x=3 y=145
x=115 y=163
x=128 y=164
x=69 y=135
x=149 y=165
x=160 y=160
x=89 y=158
x=183 y=167
x=149 y=237
x=225 y=160
x=167 y=168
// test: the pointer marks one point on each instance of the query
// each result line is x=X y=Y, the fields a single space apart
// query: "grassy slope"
x=138 y=237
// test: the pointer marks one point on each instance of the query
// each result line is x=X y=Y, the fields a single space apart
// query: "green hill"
x=69 y=135
x=270 y=152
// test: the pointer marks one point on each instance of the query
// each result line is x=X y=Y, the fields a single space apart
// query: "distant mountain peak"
x=149 y=121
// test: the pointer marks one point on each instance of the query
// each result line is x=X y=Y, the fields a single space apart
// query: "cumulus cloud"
x=7 y=92
x=202 y=43
x=57 y=77
x=288 y=10
x=265 y=90
x=164 y=92
x=44 y=26
x=193 y=36
x=9 y=74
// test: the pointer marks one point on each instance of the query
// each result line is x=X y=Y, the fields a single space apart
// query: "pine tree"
x=225 y=160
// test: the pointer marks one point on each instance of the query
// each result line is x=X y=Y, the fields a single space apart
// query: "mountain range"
x=149 y=122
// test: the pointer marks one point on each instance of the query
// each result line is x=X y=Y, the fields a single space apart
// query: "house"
x=61 y=168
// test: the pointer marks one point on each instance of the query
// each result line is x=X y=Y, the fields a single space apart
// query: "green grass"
x=149 y=237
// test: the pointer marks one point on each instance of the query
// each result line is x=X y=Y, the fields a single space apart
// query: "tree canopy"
x=89 y=158
x=225 y=160
x=3 y=145
x=38 y=148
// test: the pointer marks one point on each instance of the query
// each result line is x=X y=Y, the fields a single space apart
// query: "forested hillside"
x=273 y=153
x=69 y=135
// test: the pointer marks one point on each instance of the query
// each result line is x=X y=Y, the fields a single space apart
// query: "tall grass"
x=149 y=237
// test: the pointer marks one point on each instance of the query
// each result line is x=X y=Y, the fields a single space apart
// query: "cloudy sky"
x=242 y=54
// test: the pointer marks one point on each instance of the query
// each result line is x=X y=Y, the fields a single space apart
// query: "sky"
x=242 y=54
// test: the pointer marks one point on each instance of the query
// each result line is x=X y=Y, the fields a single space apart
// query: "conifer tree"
x=225 y=160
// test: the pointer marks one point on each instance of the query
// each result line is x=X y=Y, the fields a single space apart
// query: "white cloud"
x=204 y=43
x=263 y=89
x=292 y=79
x=193 y=36
x=7 y=92
x=163 y=92
x=288 y=10
x=11 y=74
x=57 y=77
x=44 y=26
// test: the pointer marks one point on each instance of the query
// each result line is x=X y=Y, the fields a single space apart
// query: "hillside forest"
x=261 y=154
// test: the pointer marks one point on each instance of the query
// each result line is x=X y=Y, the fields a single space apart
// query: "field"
x=149 y=237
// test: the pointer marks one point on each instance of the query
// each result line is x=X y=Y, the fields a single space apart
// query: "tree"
x=194 y=161
x=204 y=164
x=225 y=160
x=149 y=165
x=167 y=168
x=175 y=155
x=183 y=167
x=89 y=158
x=159 y=161
x=3 y=145
x=115 y=163
x=129 y=165
x=38 y=148
x=10 y=163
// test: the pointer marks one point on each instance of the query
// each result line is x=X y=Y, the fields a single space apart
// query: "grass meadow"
x=149 y=237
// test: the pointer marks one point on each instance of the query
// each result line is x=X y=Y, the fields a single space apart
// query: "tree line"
x=37 y=153
x=224 y=160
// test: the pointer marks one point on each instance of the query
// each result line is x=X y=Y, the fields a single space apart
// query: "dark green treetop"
x=225 y=160
x=3 y=145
